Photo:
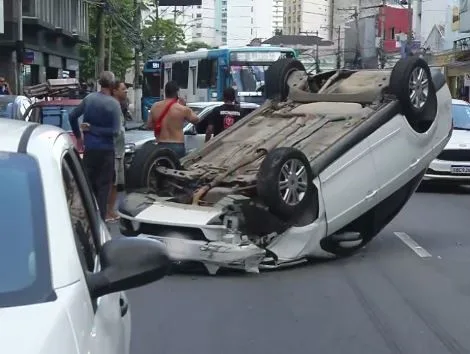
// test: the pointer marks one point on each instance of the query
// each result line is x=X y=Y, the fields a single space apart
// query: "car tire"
x=277 y=75
x=146 y=159
x=274 y=181
x=422 y=112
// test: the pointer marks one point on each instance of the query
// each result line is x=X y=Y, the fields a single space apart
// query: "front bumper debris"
x=245 y=257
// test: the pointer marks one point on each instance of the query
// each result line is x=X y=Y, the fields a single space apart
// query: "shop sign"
x=55 y=62
x=71 y=64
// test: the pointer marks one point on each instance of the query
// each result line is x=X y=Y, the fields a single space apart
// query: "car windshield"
x=461 y=116
x=196 y=109
x=24 y=254
x=58 y=116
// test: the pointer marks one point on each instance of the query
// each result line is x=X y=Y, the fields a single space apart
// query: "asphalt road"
x=388 y=298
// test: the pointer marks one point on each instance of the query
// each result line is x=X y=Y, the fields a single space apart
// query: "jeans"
x=178 y=148
x=99 y=166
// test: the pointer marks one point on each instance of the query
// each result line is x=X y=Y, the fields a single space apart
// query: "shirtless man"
x=167 y=118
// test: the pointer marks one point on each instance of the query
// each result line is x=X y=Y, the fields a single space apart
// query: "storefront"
x=33 y=69
x=71 y=68
x=54 y=67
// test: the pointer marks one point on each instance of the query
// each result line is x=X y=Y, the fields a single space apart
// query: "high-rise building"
x=277 y=16
x=307 y=16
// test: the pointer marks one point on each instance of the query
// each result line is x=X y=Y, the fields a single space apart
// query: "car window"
x=80 y=218
x=58 y=116
x=461 y=116
x=24 y=251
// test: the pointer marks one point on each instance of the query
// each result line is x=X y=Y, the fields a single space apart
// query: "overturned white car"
x=317 y=171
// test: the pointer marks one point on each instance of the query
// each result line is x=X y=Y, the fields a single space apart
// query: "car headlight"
x=129 y=148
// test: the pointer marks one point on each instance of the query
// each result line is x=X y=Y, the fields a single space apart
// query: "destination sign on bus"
x=258 y=56
x=153 y=65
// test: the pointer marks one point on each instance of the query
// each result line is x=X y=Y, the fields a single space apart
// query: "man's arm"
x=210 y=123
x=73 y=118
x=190 y=116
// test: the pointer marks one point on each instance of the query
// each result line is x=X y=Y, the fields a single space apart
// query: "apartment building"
x=307 y=16
x=52 y=32
x=277 y=16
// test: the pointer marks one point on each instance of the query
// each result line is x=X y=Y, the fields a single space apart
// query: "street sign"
x=179 y=2
x=2 y=18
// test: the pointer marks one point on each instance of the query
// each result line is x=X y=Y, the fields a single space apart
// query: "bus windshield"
x=151 y=85
x=247 y=69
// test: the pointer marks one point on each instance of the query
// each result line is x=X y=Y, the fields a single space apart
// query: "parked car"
x=317 y=171
x=13 y=107
x=453 y=163
x=66 y=279
x=194 y=137
x=56 y=112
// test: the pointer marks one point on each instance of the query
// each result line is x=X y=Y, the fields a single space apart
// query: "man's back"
x=172 y=123
x=102 y=113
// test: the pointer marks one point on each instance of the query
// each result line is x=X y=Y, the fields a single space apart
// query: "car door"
x=102 y=319
x=349 y=186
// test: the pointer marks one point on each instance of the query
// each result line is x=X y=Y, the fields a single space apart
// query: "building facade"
x=277 y=17
x=308 y=16
x=52 y=33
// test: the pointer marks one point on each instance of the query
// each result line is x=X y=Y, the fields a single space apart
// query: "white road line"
x=407 y=240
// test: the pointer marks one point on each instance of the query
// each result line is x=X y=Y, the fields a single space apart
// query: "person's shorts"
x=118 y=172
x=178 y=148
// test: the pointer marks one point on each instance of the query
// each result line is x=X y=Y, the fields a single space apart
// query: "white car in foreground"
x=453 y=163
x=62 y=277
x=317 y=171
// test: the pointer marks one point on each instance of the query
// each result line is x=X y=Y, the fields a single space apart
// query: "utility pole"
x=338 y=54
x=101 y=39
x=110 y=46
x=409 y=39
x=137 y=49
x=382 y=34
x=19 y=50
x=317 y=63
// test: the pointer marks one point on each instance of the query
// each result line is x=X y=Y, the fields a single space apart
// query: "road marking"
x=407 y=240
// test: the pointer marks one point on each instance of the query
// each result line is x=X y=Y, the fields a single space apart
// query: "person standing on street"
x=167 y=119
x=223 y=117
x=119 y=92
x=101 y=123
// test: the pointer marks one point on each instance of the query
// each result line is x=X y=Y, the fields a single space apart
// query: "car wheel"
x=412 y=84
x=277 y=75
x=143 y=173
x=285 y=182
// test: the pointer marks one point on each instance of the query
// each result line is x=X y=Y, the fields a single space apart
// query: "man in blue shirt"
x=101 y=123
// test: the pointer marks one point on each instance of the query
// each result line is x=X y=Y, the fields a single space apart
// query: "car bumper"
x=448 y=171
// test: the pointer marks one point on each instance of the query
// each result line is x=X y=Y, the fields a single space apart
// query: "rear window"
x=24 y=254
x=58 y=116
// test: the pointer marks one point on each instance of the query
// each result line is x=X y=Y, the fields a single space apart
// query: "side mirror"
x=191 y=130
x=128 y=263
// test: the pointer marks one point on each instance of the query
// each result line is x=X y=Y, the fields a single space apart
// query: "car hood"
x=138 y=137
x=460 y=139
x=36 y=329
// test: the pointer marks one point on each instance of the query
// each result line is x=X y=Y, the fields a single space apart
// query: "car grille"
x=454 y=155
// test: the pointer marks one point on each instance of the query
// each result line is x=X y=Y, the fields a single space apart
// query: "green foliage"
x=193 y=46
x=161 y=37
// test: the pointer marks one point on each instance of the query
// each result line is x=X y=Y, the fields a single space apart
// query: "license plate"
x=460 y=170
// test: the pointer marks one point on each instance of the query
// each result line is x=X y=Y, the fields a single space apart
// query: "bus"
x=152 y=85
x=204 y=74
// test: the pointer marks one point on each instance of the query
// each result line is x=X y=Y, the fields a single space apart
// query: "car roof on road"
x=218 y=103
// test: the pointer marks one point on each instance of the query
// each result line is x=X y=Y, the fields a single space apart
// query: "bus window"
x=151 y=85
x=180 y=73
x=207 y=74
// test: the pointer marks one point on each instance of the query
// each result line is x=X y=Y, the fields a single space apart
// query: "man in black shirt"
x=223 y=117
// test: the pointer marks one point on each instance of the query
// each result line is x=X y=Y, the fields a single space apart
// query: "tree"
x=161 y=37
x=193 y=46
x=118 y=23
